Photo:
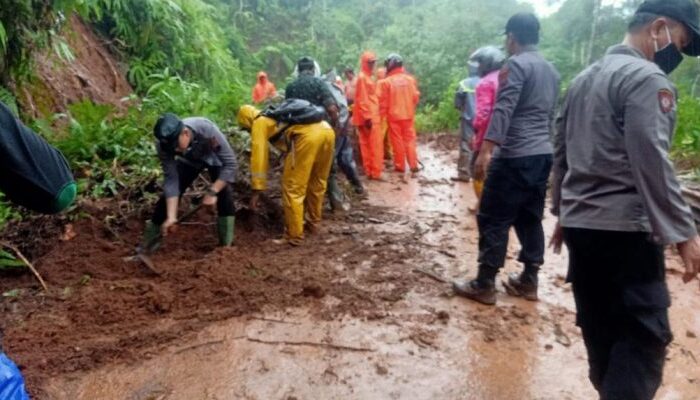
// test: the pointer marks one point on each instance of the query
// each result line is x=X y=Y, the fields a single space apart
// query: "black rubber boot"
x=523 y=285
x=482 y=289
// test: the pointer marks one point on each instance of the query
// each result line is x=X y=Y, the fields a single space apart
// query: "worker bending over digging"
x=185 y=148
x=309 y=145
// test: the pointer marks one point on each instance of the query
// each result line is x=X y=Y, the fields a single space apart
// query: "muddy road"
x=347 y=316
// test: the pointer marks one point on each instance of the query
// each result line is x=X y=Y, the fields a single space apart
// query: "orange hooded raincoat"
x=264 y=89
x=365 y=115
x=398 y=98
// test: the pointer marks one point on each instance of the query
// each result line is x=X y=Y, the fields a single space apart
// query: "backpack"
x=295 y=112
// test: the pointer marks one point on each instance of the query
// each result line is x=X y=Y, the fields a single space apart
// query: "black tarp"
x=33 y=173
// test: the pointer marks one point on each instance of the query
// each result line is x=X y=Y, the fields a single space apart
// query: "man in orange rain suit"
x=398 y=99
x=388 y=153
x=264 y=89
x=365 y=116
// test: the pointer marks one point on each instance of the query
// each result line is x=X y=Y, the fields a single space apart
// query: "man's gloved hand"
x=368 y=124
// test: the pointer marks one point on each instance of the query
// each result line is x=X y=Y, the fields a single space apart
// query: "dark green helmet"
x=392 y=62
x=488 y=59
x=167 y=131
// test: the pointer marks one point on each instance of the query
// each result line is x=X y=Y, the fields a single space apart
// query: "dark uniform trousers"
x=187 y=174
x=622 y=309
x=514 y=195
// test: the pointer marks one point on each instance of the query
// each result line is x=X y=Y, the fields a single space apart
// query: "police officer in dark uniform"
x=516 y=159
x=618 y=199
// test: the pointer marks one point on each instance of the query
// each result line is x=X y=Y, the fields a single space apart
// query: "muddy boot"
x=473 y=290
x=225 y=229
x=482 y=289
x=359 y=189
x=151 y=238
x=337 y=205
x=523 y=285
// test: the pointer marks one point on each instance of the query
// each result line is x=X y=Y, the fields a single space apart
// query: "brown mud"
x=346 y=316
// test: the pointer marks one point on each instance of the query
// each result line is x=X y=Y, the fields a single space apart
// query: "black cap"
x=523 y=25
x=684 y=11
x=167 y=131
x=306 y=63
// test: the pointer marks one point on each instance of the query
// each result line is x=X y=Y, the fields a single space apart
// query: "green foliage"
x=8 y=99
x=686 y=142
x=26 y=25
x=444 y=117
x=179 y=35
x=8 y=261
x=108 y=153
x=7 y=212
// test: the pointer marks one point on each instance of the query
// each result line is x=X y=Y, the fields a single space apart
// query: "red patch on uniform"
x=667 y=101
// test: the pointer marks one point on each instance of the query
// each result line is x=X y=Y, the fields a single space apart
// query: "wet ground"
x=366 y=317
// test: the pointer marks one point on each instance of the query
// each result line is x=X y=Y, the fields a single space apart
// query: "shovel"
x=143 y=252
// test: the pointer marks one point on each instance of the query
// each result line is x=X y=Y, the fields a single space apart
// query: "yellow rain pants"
x=310 y=150
x=305 y=175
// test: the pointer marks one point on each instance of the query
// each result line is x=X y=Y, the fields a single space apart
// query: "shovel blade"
x=148 y=263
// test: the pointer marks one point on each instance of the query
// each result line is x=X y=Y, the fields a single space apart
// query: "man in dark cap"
x=185 y=148
x=619 y=202
x=515 y=158
x=311 y=87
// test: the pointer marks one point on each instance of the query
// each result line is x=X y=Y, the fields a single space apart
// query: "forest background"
x=200 y=57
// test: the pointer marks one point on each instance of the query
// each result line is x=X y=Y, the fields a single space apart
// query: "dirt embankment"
x=86 y=70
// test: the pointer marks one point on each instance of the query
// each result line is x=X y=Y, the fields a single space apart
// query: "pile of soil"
x=101 y=308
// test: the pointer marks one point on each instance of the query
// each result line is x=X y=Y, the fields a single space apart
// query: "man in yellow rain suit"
x=309 y=154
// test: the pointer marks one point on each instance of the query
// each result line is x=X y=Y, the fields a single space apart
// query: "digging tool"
x=143 y=252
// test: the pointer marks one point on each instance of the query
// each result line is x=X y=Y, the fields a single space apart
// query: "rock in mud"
x=381 y=370
x=443 y=316
x=313 y=290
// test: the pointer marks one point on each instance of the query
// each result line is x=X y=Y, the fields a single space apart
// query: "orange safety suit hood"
x=365 y=60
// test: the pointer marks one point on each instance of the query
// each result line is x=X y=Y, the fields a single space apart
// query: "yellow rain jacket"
x=306 y=166
x=261 y=130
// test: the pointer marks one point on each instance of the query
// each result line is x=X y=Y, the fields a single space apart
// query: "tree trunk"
x=594 y=30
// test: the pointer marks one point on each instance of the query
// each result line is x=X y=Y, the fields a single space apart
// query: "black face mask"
x=669 y=57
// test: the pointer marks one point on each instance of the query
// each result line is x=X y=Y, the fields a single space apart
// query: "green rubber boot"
x=225 y=229
x=151 y=237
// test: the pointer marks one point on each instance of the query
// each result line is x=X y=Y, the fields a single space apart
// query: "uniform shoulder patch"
x=667 y=101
